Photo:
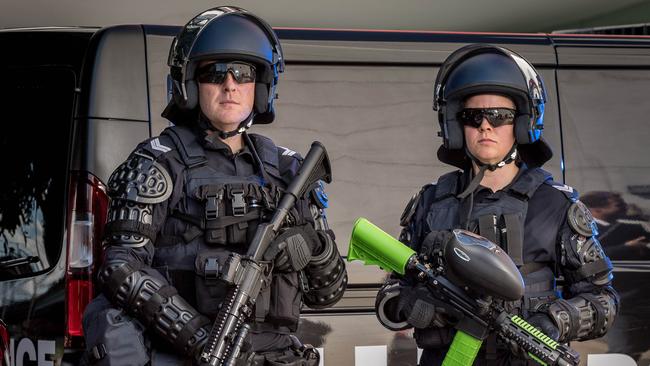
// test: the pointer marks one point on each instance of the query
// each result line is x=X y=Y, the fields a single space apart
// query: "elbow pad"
x=156 y=304
x=582 y=257
x=326 y=276
x=585 y=316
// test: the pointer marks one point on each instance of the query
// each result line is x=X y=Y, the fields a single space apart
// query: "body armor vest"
x=499 y=218
x=214 y=215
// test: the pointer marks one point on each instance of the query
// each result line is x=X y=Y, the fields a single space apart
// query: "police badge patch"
x=581 y=220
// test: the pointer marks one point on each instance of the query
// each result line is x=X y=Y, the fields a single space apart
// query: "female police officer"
x=185 y=200
x=490 y=104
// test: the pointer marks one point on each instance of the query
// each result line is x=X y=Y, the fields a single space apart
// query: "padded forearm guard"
x=157 y=305
x=585 y=316
x=326 y=276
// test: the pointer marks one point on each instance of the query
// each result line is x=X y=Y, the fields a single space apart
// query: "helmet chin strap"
x=473 y=184
x=244 y=125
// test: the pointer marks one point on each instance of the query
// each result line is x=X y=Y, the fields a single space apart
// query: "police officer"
x=183 y=201
x=490 y=104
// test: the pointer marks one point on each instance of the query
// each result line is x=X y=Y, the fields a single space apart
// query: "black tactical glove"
x=434 y=241
x=542 y=322
x=292 y=249
x=419 y=308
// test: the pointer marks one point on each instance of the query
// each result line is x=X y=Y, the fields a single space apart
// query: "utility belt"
x=227 y=212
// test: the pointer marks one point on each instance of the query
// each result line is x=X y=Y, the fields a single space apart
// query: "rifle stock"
x=229 y=330
x=375 y=247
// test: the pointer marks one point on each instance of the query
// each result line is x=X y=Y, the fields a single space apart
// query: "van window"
x=35 y=132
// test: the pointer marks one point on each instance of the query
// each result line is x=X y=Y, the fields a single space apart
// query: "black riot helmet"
x=479 y=69
x=224 y=33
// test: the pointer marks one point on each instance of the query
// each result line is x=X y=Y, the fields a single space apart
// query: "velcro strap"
x=594 y=301
x=189 y=330
x=574 y=316
x=224 y=221
x=98 y=352
x=191 y=219
x=131 y=227
x=119 y=276
x=270 y=327
x=191 y=234
x=491 y=349
x=589 y=269
x=487 y=227
x=542 y=286
x=262 y=305
x=152 y=307
x=422 y=314
x=514 y=237
x=531 y=267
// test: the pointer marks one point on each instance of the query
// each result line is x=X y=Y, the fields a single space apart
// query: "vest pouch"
x=237 y=233
x=239 y=198
x=212 y=196
x=215 y=234
x=210 y=290
x=285 y=300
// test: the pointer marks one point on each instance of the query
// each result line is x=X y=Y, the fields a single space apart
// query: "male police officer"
x=490 y=104
x=183 y=201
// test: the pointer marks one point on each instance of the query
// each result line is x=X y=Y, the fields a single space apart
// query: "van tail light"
x=4 y=344
x=87 y=210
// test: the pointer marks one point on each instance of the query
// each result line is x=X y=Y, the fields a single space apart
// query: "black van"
x=77 y=100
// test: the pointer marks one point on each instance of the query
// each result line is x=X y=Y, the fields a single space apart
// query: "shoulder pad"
x=411 y=206
x=285 y=151
x=526 y=185
x=268 y=153
x=140 y=179
x=286 y=155
x=155 y=147
x=185 y=141
x=448 y=184
x=289 y=159
x=569 y=192
x=580 y=219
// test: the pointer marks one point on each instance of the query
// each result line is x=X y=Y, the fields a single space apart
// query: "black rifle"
x=247 y=274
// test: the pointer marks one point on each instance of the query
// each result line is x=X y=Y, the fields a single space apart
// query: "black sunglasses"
x=217 y=72
x=473 y=117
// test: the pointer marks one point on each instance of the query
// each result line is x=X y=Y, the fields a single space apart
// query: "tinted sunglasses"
x=217 y=72
x=473 y=117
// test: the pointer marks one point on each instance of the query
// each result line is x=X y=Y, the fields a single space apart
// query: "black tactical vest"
x=501 y=219
x=215 y=214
